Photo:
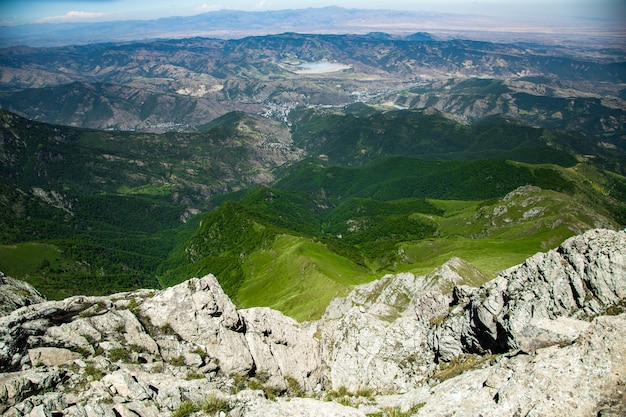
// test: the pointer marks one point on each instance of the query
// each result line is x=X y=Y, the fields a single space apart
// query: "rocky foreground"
x=547 y=337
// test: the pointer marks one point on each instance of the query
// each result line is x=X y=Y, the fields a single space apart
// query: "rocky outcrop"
x=15 y=294
x=397 y=333
x=149 y=352
x=581 y=279
x=582 y=379
x=543 y=338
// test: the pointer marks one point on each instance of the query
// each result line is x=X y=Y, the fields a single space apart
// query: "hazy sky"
x=48 y=11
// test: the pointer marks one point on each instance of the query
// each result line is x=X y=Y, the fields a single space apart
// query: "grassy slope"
x=299 y=267
x=298 y=276
x=281 y=247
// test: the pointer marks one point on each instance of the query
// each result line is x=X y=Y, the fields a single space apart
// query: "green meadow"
x=387 y=192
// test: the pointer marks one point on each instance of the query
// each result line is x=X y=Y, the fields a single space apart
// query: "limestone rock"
x=583 y=277
x=302 y=407
x=543 y=338
x=362 y=350
x=281 y=347
x=392 y=295
x=18 y=386
x=581 y=379
x=51 y=356
x=198 y=311
x=15 y=294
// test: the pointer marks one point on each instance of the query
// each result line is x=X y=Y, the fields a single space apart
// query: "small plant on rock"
x=239 y=383
x=294 y=387
x=214 y=404
x=186 y=409
x=119 y=354
x=365 y=392
x=194 y=375
x=167 y=329
x=178 y=360
x=94 y=373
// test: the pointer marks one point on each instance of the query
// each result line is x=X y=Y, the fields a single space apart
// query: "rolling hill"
x=178 y=84
x=290 y=218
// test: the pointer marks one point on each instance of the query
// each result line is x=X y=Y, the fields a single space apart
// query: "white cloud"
x=71 y=16
x=209 y=8
x=263 y=4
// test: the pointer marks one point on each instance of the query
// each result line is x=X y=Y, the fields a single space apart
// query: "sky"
x=14 y=12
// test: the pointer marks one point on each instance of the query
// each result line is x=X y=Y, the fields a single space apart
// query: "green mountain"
x=293 y=217
x=117 y=107
x=109 y=206
x=347 y=138
x=178 y=167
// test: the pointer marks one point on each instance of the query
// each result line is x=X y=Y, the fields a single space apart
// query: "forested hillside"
x=291 y=217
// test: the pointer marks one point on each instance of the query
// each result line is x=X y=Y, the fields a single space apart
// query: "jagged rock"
x=27 y=323
x=301 y=407
x=581 y=278
x=362 y=350
x=198 y=311
x=520 y=341
x=393 y=295
x=282 y=348
x=577 y=380
x=18 y=386
x=15 y=294
x=122 y=384
x=378 y=336
x=51 y=356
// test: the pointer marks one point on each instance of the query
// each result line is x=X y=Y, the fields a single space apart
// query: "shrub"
x=255 y=384
x=213 y=404
x=96 y=374
x=239 y=383
x=294 y=387
x=365 y=392
x=119 y=354
x=178 y=360
x=194 y=375
x=167 y=329
x=187 y=408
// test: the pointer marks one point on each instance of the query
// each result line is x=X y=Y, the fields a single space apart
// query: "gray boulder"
x=582 y=278
x=15 y=294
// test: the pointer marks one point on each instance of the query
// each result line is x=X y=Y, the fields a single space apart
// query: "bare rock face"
x=282 y=348
x=15 y=294
x=543 y=338
x=379 y=335
x=149 y=353
x=199 y=312
x=582 y=278
x=582 y=379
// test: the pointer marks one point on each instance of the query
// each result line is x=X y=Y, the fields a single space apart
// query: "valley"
x=254 y=201
x=344 y=157
x=324 y=212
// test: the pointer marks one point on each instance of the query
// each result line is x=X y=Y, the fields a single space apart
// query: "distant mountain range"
x=178 y=85
x=237 y=24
